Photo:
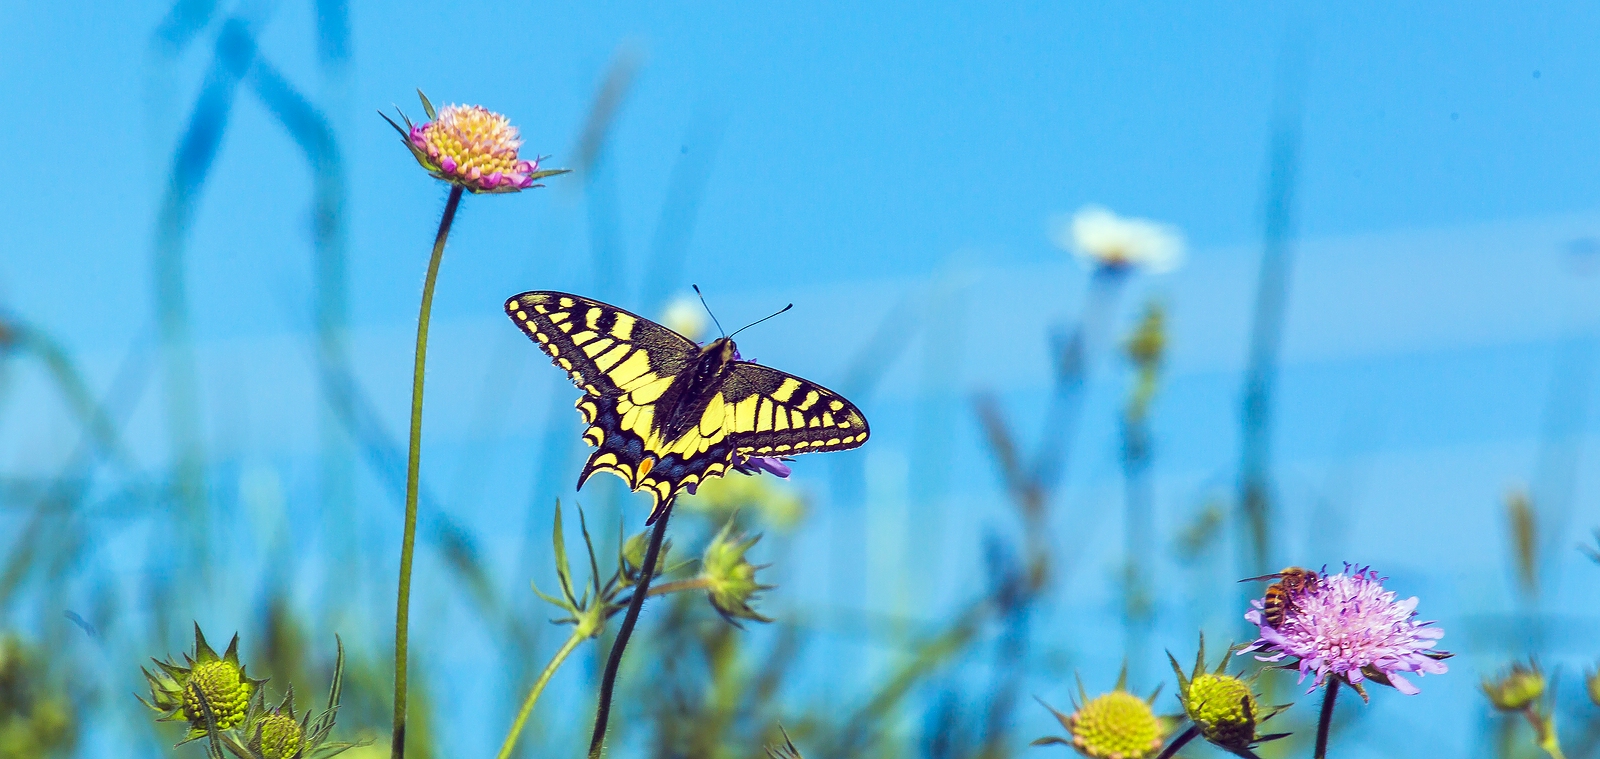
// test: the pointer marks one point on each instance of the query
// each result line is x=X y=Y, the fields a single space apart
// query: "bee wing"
x=1273 y=576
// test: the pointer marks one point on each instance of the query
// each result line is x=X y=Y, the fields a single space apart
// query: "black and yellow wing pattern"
x=664 y=413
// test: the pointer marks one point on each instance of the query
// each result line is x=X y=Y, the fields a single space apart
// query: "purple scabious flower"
x=473 y=147
x=1348 y=626
x=759 y=464
x=470 y=147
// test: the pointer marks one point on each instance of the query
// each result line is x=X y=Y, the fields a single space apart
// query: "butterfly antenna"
x=762 y=319
x=708 y=310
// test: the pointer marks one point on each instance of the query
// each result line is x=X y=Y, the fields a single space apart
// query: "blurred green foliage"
x=37 y=717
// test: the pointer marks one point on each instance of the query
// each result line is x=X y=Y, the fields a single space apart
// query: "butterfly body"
x=693 y=391
x=664 y=413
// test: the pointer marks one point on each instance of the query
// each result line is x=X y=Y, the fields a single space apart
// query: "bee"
x=1289 y=584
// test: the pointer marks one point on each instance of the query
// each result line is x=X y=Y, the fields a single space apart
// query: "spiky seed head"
x=1516 y=688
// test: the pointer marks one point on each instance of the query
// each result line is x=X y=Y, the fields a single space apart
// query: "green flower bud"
x=1224 y=708
x=278 y=736
x=184 y=693
x=277 y=733
x=1517 y=688
x=1593 y=681
x=730 y=579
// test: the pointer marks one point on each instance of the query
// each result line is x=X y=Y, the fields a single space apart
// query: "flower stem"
x=402 y=612
x=578 y=636
x=1326 y=719
x=1544 y=730
x=1179 y=742
x=697 y=583
x=609 y=681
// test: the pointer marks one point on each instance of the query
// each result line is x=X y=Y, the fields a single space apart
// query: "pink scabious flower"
x=472 y=147
x=1347 y=626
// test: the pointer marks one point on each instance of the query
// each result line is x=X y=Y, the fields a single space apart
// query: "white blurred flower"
x=1101 y=238
x=685 y=316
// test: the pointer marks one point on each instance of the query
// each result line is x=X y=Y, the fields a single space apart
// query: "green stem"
x=578 y=636
x=1544 y=730
x=402 y=611
x=1183 y=740
x=698 y=583
x=1326 y=719
x=608 y=682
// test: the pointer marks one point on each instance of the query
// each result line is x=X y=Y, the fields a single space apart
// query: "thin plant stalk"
x=1544 y=731
x=1137 y=523
x=1177 y=743
x=608 y=682
x=697 y=583
x=402 y=612
x=578 y=636
x=1266 y=330
x=1326 y=719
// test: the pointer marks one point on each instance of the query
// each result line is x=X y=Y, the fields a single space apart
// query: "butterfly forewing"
x=603 y=349
x=635 y=374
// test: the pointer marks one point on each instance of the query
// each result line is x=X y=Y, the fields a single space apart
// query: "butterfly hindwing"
x=649 y=420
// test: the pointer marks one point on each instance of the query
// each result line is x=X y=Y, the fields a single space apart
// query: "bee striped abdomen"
x=1279 y=600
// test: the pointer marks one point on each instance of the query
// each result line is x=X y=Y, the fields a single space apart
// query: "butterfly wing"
x=604 y=350
x=623 y=363
x=771 y=413
x=757 y=411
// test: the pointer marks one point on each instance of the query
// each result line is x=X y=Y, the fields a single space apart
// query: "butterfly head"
x=717 y=355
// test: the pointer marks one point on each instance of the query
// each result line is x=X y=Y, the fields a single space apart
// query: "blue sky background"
x=892 y=163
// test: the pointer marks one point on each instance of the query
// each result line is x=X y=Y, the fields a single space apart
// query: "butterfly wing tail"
x=588 y=468
x=605 y=460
